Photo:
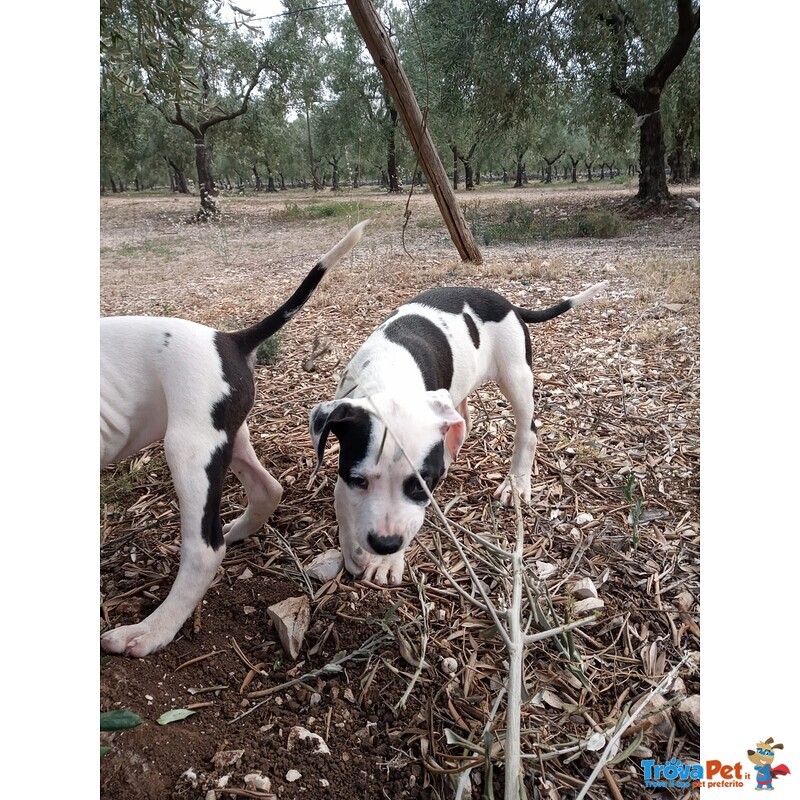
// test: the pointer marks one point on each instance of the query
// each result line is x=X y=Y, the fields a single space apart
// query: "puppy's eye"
x=414 y=490
x=358 y=482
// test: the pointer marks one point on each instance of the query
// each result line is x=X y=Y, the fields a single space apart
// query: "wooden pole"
x=385 y=57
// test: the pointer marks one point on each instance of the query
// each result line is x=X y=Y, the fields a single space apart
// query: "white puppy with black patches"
x=171 y=379
x=414 y=374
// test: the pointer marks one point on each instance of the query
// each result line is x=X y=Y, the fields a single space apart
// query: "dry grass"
x=617 y=394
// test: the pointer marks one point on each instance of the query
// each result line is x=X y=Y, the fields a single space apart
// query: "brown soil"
x=617 y=394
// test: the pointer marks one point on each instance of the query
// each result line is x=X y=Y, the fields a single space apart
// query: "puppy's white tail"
x=249 y=338
x=530 y=316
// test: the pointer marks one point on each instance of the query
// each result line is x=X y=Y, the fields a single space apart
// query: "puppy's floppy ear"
x=454 y=428
x=330 y=416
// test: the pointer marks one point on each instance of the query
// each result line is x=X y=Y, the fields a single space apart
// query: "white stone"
x=589 y=604
x=300 y=733
x=326 y=566
x=291 y=618
x=583 y=589
x=449 y=665
x=293 y=775
x=258 y=782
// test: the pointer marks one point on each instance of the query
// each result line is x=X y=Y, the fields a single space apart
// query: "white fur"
x=160 y=378
x=384 y=376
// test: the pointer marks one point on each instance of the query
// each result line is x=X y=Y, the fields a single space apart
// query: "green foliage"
x=498 y=82
x=637 y=507
x=117 y=721
x=334 y=209
x=267 y=352
x=523 y=223
x=121 y=483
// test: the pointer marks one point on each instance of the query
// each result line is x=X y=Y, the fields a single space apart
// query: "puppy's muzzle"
x=384 y=545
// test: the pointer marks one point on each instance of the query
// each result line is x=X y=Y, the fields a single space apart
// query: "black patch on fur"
x=227 y=415
x=352 y=426
x=167 y=337
x=527 y=336
x=428 y=347
x=431 y=471
x=488 y=305
x=473 y=330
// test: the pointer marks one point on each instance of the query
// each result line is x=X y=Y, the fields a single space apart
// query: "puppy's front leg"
x=198 y=475
x=262 y=490
x=517 y=385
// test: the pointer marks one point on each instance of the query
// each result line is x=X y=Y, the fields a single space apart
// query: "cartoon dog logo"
x=762 y=757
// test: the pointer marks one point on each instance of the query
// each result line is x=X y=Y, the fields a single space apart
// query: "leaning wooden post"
x=385 y=57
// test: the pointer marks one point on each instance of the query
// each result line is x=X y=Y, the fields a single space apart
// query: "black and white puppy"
x=413 y=374
x=193 y=386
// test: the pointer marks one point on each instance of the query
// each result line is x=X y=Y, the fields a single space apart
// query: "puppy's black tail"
x=248 y=339
x=530 y=316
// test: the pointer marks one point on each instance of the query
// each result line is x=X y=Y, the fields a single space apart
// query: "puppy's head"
x=380 y=504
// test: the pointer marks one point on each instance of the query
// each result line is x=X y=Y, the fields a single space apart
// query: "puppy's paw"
x=134 y=640
x=236 y=531
x=385 y=570
x=505 y=494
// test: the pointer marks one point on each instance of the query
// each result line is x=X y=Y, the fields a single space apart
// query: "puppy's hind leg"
x=262 y=490
x=197 y=471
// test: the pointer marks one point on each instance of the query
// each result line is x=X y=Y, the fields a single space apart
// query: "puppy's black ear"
x=332 y=415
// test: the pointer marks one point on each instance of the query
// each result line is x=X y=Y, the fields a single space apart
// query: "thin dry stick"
x=516 y=652
x=423 y=647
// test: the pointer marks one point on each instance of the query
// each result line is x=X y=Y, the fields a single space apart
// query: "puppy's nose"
x=384 y=545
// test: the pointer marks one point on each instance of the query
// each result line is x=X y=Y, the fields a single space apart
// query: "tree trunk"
x=574 y=162
x=386 y=60
x=205 y=179
x=270 y=177
x=454 y=148
x=259 y=185
x=694 y=168
x=335 y=177
x=114 y=189
x=652 y=175
x=180 y=179
x=467 y=162
x=478 y=175
x=283 y=181
x=311 y=165
x=678 y=160
x=588 y=165
x=520 y=171
x=645 y=99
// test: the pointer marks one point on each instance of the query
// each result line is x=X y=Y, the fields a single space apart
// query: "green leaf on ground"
x=174 y=715
x=118 y=720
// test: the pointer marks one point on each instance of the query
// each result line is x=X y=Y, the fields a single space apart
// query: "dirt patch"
x=617 y=395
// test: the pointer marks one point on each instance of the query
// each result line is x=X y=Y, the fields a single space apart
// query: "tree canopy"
x=507 y=87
